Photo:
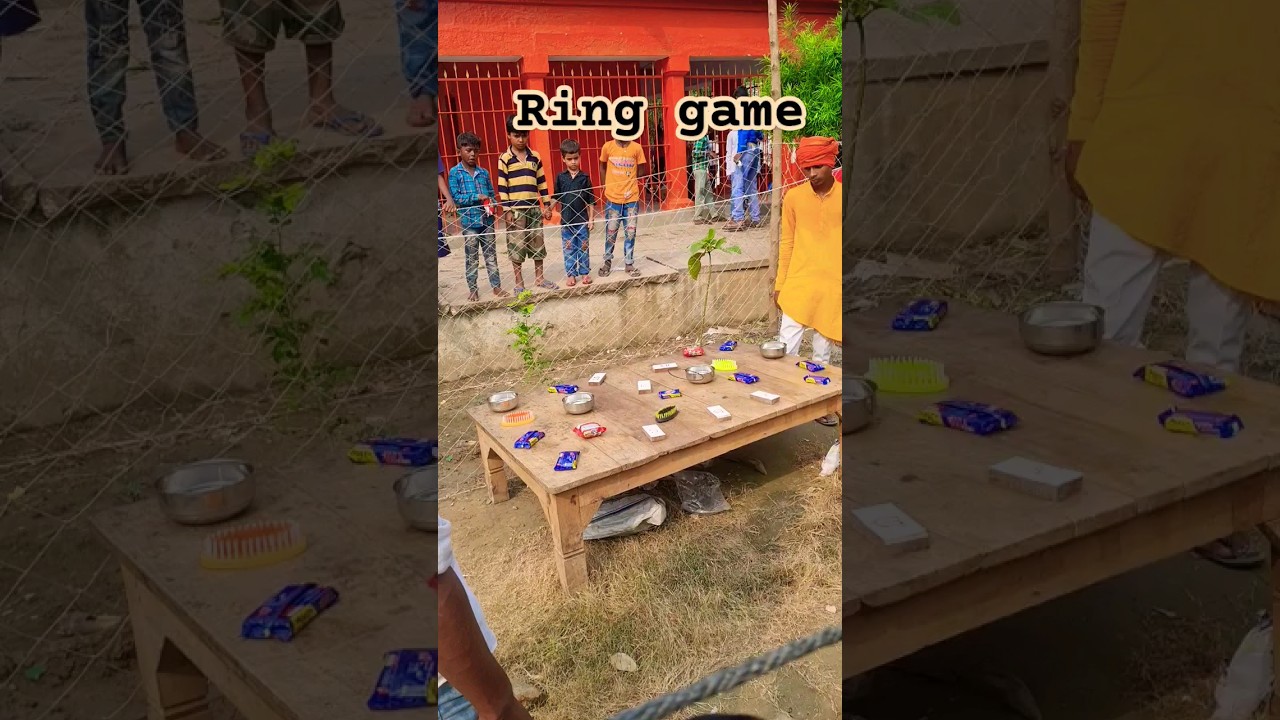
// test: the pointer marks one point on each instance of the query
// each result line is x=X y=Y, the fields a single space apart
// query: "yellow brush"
x=908 y=375
x=253 y=545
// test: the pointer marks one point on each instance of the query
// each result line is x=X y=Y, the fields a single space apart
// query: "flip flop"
x=548 y=285
x=342 y=124
x=633 y=272
x=518 y=290
x=1236 y=557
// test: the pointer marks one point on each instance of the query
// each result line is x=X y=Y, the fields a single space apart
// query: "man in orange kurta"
x=807 y=289
x=1173 y=142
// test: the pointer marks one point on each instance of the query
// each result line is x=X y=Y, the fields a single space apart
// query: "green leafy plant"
x=857 y=12
x=281 y=275
x=527 y=334
x=703 y=250
x=810 y=57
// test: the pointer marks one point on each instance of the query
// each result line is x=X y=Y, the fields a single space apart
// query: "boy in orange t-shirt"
x=620 y=162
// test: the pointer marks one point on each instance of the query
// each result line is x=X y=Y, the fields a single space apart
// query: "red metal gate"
x=476 y=97
x=613 y=79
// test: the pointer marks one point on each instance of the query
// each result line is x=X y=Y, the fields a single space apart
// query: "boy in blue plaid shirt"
x=472 y=189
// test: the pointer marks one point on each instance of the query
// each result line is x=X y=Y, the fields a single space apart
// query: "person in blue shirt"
x=472 y=192
x=743 y=150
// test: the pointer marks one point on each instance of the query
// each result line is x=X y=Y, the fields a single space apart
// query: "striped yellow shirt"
x=521 y=182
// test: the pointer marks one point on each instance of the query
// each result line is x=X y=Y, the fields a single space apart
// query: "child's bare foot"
x=586 y=279
x=473 y=296
x=570 y=282
x=499 y=292
x=113 y=160
x=195 y=146
x=422 y=112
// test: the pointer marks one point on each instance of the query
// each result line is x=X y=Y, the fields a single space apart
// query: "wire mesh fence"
x=136 y=236
x=957 y=184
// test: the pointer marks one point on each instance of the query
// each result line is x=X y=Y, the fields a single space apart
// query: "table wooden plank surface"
x=621 y=409
x=357 y=543
x=1086 y=413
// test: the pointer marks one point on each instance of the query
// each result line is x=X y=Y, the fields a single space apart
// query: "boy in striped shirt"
x=522 y=190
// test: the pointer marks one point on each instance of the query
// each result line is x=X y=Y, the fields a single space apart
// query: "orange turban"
x=816 y=152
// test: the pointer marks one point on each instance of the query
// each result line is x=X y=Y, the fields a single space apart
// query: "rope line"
x=730 y=678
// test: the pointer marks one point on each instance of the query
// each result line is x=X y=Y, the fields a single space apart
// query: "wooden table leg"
x=569 y=517
x=174 y=686
x=1269 y=530
x=495 y=470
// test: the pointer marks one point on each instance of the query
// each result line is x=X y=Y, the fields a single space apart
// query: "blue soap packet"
x=409 y=679
x=920 y=315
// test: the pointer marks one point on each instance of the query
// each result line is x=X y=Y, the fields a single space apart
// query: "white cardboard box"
x=764 y=397
x=718 y=412
x=1036 y=478
x=666 y=366
x=597 y=379
x=654 y=432
x=891 y=529
x=644 y=386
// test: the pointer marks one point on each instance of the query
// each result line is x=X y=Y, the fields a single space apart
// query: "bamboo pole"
x=775 y=199
x=1065 y=241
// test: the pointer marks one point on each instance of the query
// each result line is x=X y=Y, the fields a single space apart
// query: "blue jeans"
x=453 y=706
x=577 y=256
x=481 y=241
x=744 y=188
x=616 y=214
x=107 y=57
x=418 y=22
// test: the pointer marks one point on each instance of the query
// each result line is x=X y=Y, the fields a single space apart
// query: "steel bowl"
x=699 y=374
x=504 y=401
x=418 y=497
x=1062 y=328
x=207 y=492
x=773 y=349
x=858 y=403
x=579 y=403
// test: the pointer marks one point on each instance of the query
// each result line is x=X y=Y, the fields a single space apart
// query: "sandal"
x=351 y=123
x=570 y=282
x=548 y=285
x=1234 y=552
x=518 y=290
x=586 y=279
x=604 y=269
x=632 y=271
x=828 y=421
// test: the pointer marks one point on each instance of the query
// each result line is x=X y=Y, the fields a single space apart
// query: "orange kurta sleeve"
x=787 y=241
x=1100 y=22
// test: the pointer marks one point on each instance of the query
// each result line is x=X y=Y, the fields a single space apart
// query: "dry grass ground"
x=697 y=594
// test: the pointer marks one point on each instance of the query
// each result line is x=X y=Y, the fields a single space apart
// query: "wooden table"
x=624 y=458
x=1148 y=493
x=186 y=620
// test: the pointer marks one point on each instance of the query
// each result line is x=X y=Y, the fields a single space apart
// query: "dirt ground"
x=685 y=599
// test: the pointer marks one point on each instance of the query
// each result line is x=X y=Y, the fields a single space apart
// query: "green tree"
x=810 y=57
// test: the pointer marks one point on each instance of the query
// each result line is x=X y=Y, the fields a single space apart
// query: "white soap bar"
x=764 y=397
x=597 y=379
x=654 y=432
x=666 y=366
x=644 y=386
x=1036 y=479
x=719 y=412
x=891 y=528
